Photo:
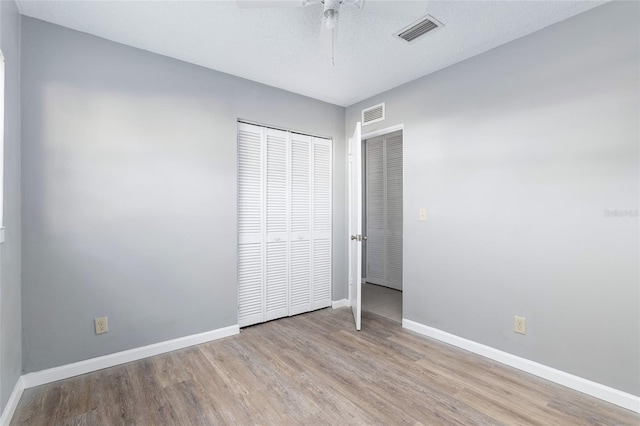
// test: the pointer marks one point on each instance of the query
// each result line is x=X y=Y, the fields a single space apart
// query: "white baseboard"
x=340 y=303
x=606 y=393
x=94 y=364
x=12 y=404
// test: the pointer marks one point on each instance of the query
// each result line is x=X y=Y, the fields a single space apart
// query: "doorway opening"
x=382 y=215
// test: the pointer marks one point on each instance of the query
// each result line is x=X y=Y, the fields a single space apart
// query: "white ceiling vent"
x=373 y=114
x=419 y=28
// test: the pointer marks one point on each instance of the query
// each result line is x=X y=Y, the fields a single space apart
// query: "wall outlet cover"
x=101 y=325
x=520 y=325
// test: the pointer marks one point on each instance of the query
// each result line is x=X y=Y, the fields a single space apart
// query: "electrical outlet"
x=520 y=325
x=423 y=214
x=101 y=324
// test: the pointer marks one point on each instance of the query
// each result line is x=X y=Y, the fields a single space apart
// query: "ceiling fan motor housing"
x=331 y=5
x=331 y=12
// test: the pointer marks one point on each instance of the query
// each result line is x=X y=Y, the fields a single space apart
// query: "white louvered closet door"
x=321 y=223
x=300 y=236
x=250 y=225
x=284 y=223
x=277 y=218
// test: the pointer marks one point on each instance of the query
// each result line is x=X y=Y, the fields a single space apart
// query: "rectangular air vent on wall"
x=419 y=28
x=373 y=114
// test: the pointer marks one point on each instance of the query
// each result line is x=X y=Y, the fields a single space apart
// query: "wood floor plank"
x=315 y=369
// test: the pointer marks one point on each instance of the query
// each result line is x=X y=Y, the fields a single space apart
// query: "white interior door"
x=355 y=225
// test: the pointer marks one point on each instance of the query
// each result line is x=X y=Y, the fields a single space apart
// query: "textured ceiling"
x=282 y=46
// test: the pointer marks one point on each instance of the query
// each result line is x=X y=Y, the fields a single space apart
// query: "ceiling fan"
x=331 y=9
x=330 y=13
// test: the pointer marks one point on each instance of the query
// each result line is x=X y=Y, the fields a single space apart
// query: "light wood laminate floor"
x=315 y=369
x=383 y=301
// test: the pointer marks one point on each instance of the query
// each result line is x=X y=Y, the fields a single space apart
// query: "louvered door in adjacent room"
x=284 y=223
x=393 y=197
x=383 y=159
x=375 y=210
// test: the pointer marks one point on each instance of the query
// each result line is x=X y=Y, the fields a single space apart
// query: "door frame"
x=373 y=134
x=384 y=131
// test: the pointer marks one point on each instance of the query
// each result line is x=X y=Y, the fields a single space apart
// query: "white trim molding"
x=340 y=303
x=94 y=364
x=381 y=132
x=597 y=390
x=12 y=404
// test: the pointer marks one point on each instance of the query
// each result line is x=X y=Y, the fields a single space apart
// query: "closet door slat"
x=250 y=181
x=277 y=217
x=321 y=187
x=321 y=273
x=276 y=171
x=300 y=185
x=250 y=223
x=300 y=277
x=276 y=288
x=300 y=236
x=250 y=288
x=322 y=215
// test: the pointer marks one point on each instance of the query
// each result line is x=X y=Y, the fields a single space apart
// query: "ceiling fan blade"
x=261 y=4
x=357 y=3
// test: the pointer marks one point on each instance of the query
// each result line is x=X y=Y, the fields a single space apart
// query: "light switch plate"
x=423 y=214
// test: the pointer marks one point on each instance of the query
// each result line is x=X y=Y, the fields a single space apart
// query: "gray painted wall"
x=129 y=192
x=10 y=323
x=516 y=154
